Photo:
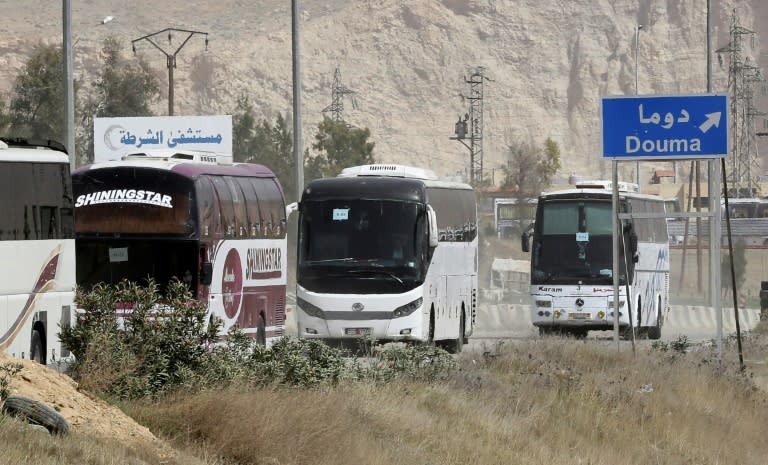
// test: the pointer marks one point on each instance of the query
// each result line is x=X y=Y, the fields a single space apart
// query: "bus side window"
x=238 y=203
x=227 y=207
x=209 y=216
x=252 y=207
x=271 y=205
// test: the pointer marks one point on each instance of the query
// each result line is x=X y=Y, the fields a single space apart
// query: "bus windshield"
x=573 y=243
x=362 y=246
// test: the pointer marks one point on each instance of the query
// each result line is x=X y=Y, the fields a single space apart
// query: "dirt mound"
x=86 y=414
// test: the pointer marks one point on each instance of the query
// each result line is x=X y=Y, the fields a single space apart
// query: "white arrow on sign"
x=713 y=119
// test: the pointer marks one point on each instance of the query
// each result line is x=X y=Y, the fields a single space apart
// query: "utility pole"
x=338 y=91
x=298 y=150
x=473 y=124
x=69 y=88
x=170 y=56
x=742 y=76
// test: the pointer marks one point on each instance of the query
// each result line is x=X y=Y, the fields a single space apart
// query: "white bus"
x=510 y=218
x=388 y=252
x=37 y=249
x=571 y=262
x=218 y=226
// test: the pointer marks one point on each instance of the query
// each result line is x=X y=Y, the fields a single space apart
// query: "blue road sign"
x=665 y=127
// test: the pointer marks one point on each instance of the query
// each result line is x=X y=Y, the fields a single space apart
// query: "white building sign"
x=114 y=137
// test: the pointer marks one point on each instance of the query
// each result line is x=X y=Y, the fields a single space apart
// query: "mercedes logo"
x=358 y=307
x=579 y=302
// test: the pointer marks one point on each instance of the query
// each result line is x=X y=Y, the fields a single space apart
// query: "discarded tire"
x=37 y=413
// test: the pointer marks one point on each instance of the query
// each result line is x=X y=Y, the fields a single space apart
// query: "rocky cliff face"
x=548 y=63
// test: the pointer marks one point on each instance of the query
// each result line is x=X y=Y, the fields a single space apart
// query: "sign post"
x=668 y=128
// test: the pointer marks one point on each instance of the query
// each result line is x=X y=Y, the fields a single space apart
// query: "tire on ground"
x=37 y=413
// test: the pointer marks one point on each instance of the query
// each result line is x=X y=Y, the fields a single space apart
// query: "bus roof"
x=18 y=150
x=576 y=192
x=190 y=169
x=389 y=170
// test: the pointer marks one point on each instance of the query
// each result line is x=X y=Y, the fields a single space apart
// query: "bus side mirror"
x=525 y=238
x=290 y=208
x=432 y=219
x=206 y=274
x=633 y=247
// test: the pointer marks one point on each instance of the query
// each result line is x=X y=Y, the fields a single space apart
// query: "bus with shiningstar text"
x=387 y=252
x=218 y=226
x=571 y=246
x=37 y=249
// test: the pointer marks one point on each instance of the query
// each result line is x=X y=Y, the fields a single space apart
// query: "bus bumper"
x=408 y=328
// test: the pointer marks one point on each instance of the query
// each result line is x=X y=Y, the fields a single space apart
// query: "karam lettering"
x=550 y=289
x=124 y=196
x=260 y=261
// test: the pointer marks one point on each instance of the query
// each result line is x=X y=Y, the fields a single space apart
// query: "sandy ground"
x=86 y=414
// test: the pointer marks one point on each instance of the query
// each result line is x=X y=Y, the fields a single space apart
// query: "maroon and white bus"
x=221 y=228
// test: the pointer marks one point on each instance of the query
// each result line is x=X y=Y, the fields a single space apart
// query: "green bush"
x=162 y=340
x=7 y=371
x=167 y=342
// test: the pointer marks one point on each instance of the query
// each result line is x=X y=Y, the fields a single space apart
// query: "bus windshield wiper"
x=367 y=261
x=382 y=272
x=330 y=260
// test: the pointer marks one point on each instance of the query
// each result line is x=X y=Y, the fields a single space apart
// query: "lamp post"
x=69 y=85
x=170 y=57
x=637 y=65
x=69 y=81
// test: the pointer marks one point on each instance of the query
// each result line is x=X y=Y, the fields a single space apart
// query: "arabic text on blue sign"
x=665 y=127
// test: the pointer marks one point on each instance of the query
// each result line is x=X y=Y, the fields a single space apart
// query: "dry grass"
x=20 y=444
x=556 y=401
x=549 y=400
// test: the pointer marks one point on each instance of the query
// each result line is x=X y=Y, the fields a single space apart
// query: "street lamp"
x=69 y=82
x=637 y=65
x=170 y=58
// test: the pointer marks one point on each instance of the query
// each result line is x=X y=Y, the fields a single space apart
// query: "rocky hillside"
x=547 y=62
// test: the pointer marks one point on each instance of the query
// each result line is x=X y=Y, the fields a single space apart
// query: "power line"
x=170 y=57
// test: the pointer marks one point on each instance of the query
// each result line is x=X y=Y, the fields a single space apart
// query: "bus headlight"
x=408 y=308
x=557 y=314
x=309 y=309
x=621 y=303
x=544 y=303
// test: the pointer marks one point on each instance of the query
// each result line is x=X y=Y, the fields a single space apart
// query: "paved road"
x=697 y=323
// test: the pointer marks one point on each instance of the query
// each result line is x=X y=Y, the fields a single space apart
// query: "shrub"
x=162 y=340
x=167 y=342
x=7 y=371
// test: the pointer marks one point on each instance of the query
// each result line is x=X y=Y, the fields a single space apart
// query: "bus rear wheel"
x=654 y=332
x=457 y=345
x=36 y=349
x=261 y=332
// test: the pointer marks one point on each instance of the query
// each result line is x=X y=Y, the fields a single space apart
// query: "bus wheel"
x=431 y=333
x=458 y=343
x=654 y=332
x=36 y=350
x=261 y=332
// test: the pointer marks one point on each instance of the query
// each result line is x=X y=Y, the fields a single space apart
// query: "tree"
x=5 y=118
x=122 y=88
x=739 y=267
x=340 y=146
x=37 y=101
x=529 y=169
x=266 y=144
